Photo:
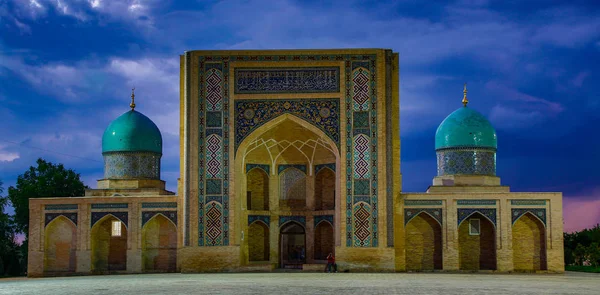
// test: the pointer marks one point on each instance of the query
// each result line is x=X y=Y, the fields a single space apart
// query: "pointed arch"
x=257 y=189
x=99 y=217
x=477 y=250
x=292 y=188
x=258 y=241
x=159 y=244
x=423 y=242
x=476 y=211
x=109 y=253
x=60 y=245
x=325 y=189
x=529 y=243
x=324 y=242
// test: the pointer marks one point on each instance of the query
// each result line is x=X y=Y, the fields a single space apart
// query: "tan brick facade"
x=253 y=163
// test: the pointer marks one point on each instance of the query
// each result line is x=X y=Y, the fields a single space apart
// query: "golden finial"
x=465 y=101
x=132 y=104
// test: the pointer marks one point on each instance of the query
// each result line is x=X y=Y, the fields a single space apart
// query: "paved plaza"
x=309 y=283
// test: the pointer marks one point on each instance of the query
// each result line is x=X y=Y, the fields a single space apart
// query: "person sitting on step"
x=331 y=263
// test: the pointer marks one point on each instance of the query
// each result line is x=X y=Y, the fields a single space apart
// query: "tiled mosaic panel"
x=119 y=215
x=131 y=165
x=537 y=212
x=292 y=184
x=411 y=213
x=160 y=205
x=361 y=99
x=213 y=149
x=322 y=166
x=253 y=113
x=51 y=216
x=528 y=202
x=320 y=218
x=266 y=168
x=147 y=215
x=283 y=167
x=423 y=202
x=466 y=161
x=287 y=80
x=264 y=218
x=464 y=213
x=61 y=207
x=110 y=206
x=476 y=202
x=299 y=219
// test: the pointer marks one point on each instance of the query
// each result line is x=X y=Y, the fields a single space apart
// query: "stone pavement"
x=310 y=283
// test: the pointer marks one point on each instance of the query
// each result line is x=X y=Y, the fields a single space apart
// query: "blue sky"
x=67 y=67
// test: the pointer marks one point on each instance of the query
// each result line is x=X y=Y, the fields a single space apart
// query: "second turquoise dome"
x=465 y=127
x=132 y=132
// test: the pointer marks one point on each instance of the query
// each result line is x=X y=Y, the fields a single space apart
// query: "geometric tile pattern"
x=411 y=213
x=519 y=203
x=540 y=213
x=264 y=218
x=298 y=219
x=361 y=144
x=320 y=218
x=253 y=113
x=281 y=168
x=119 y=215
x=160 y=205
x=61 y=207
x=322 y=166
x=476 y=202
x=147 y=215
x=110 y=206
x=265 y=168
x=423 y=202
x=213 y=149
x=464 y=213
x=287 y=80
x=131 y=165
x=51 y=216
x=470 y=161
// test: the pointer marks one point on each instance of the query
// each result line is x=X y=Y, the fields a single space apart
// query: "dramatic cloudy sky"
x=67 y=67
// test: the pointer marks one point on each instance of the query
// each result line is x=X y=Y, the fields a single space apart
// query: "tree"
x=44 y=181
x=9 y=250
x=594 y=254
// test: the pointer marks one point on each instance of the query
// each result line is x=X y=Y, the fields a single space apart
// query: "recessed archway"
x=60 y=246
x=292 y=189
x=257 y=189
x=109 y=245
x=529 y=243
x=325 y=189
x=477 y=243
x=258 y=241
x=423 y=242
x=159 y=245
x=292 y=241
x=324 y=241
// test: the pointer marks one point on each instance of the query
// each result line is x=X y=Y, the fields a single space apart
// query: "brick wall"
x=423 y=243
x=258 y=242
x=324 y=242
x=529 y=244
x=477 y=252
x=325 y=190
x=258 y=187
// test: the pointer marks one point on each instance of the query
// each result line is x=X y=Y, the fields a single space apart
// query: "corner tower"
x=466 y=144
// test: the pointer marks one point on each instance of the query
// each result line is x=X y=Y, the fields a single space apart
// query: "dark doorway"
x=292 y=241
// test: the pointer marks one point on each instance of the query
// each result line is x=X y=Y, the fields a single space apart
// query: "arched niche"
x=324 y=240
x=159 y=245
x=60 y=245
x=325 y=189
x=258 y=241
x=257 y=183
x=477 y=247
x=423 y=243
x=529 y=244
x=109 y=250
x=292 y=241
x=292 y=188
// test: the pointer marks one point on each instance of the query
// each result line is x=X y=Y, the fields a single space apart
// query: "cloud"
x=544 y=106
x=578 y=80
x=504 y=117
x=6 y=156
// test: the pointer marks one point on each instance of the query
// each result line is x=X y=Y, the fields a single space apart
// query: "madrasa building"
x=287 y=156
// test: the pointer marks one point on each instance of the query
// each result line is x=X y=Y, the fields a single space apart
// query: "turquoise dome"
x=465 y=127
x=132 y=132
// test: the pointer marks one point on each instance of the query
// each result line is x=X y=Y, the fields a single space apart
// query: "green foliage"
x=583 y=247
x=582 y=268
x=10 y=265
x=44 y=181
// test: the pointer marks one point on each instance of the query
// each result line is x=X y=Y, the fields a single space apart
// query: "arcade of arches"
x=287 y=156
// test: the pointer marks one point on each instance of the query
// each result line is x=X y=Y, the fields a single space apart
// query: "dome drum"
x=131 y=165
x=466 y=161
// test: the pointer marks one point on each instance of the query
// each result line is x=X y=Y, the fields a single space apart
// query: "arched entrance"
x=325 y=189
x=109 y=245
x=159 y=245
x=258 y=241
x=423 y=242
x=280 y=158
x=292 y=243
x=60 y=246
x=477 y=243
x=324 y=242
x=529 y=243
